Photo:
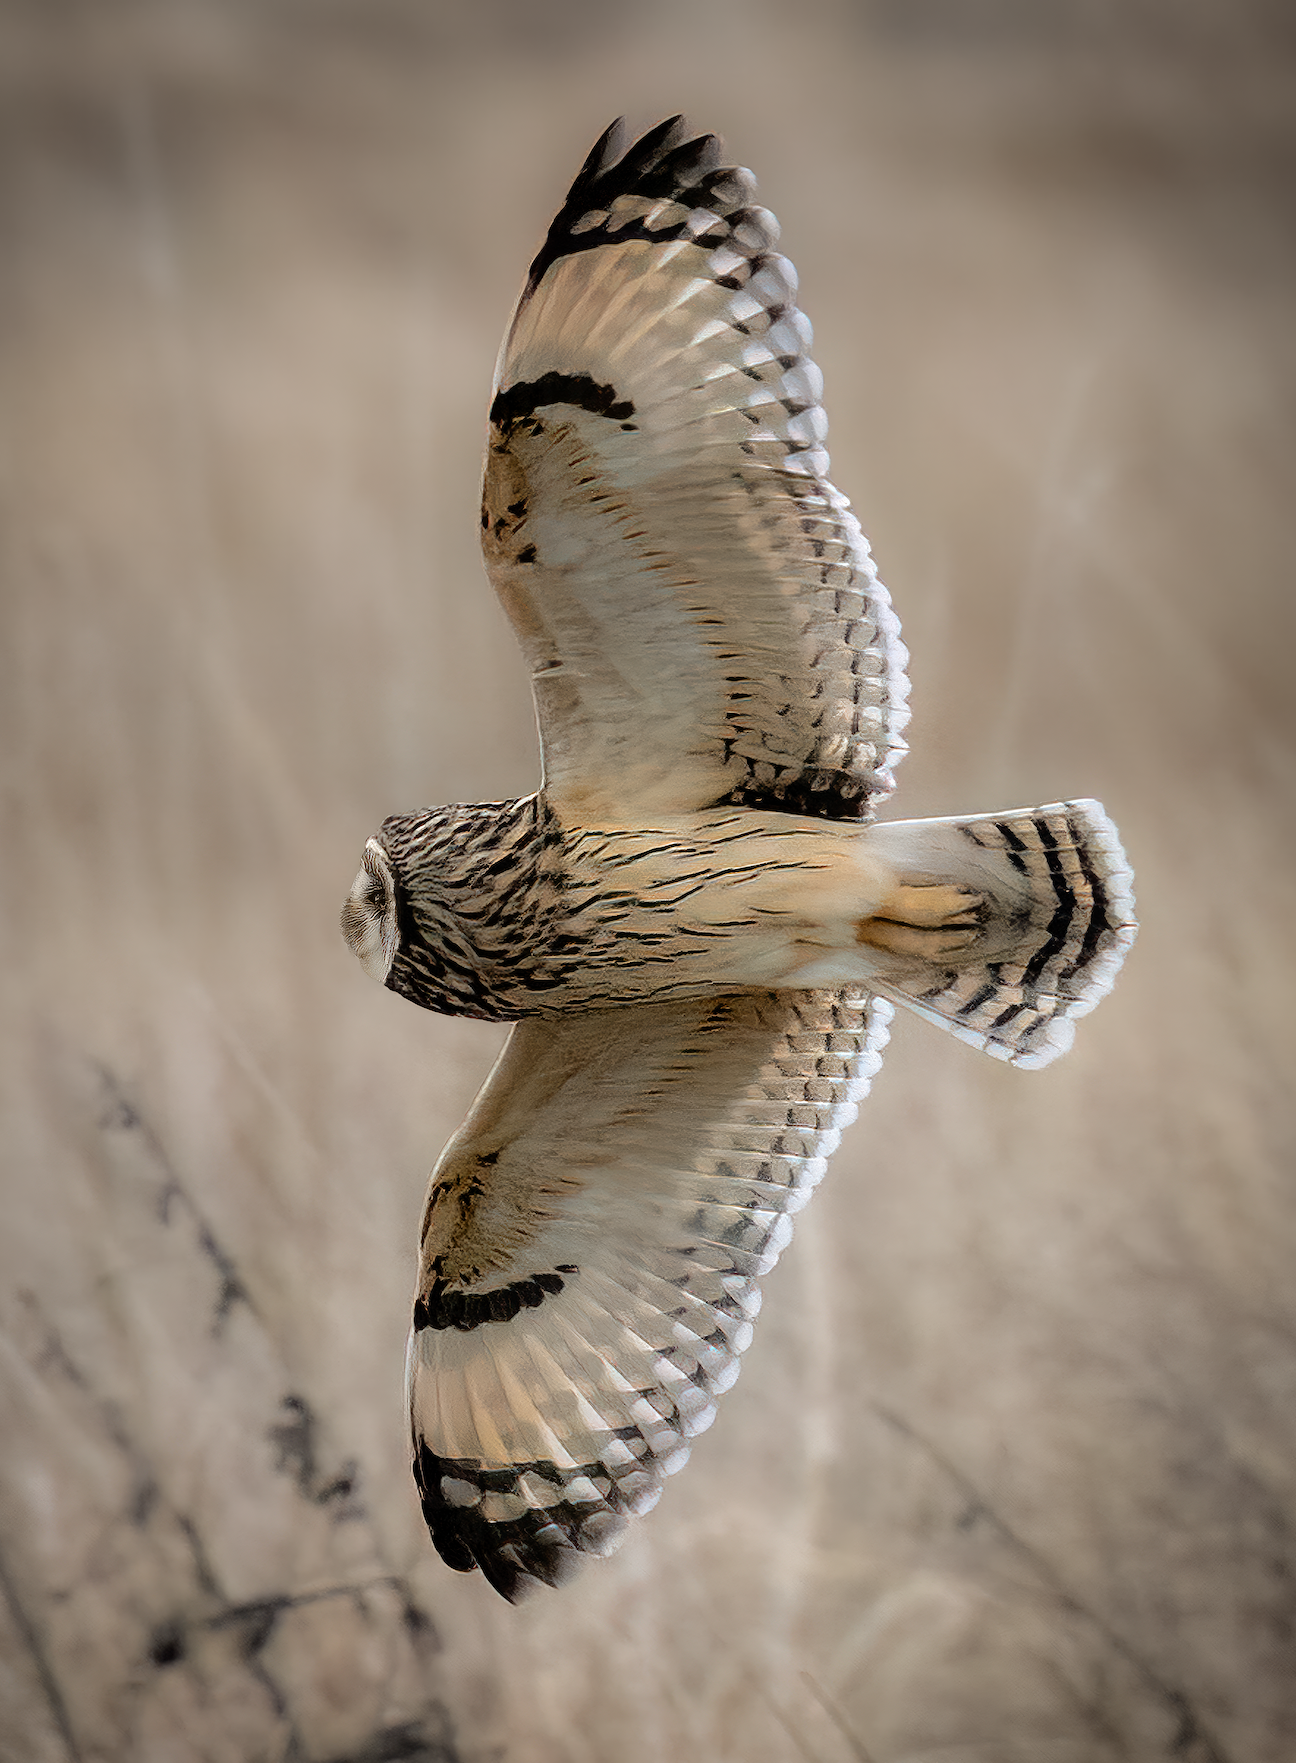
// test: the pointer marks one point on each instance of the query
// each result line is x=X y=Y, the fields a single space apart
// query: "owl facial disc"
x=369 y=915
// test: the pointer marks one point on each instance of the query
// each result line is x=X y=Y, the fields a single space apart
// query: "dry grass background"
x=1009 y=1474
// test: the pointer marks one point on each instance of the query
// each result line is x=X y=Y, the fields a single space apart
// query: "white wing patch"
x=592 y=1250
x=702 y=617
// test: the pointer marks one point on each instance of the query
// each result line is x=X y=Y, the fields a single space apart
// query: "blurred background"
x=1009 y=1474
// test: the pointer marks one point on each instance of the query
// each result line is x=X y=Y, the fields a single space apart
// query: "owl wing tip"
x=516 y=1545
x=665 y=161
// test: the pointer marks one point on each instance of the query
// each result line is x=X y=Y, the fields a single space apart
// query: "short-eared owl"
x=696 y=923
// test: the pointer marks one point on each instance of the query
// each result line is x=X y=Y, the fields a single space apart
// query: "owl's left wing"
x=696 y=600
x=592 y=1243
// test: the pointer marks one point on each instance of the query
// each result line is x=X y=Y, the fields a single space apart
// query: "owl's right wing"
x=592 y=1245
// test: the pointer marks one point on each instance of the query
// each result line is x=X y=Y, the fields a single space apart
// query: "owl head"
x=402 y=916
x=369 y=913
x=441 y=900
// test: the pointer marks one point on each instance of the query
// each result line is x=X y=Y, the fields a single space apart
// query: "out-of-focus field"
x=1011 y=1471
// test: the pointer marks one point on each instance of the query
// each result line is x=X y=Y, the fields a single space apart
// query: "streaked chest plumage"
x=505 y=913
x=479 y=901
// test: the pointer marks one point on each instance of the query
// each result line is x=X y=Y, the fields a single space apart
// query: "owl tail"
x=1054 y=924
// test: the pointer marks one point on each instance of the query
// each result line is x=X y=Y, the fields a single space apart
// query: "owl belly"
x=506 y=913
x=729 y=901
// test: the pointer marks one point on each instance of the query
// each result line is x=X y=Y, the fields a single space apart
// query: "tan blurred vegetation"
x=1009 y=1474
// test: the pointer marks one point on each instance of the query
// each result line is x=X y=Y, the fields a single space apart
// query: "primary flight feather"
x=695 y=922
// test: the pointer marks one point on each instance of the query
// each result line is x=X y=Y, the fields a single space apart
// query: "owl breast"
x=479 y=902
x=504 y=913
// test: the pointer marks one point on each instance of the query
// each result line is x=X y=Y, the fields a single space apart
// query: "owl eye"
x=369 y=913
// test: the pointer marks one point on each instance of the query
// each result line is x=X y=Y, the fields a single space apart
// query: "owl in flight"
x=696 y=924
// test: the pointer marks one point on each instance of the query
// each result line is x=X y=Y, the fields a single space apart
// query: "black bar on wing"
x=512 y=405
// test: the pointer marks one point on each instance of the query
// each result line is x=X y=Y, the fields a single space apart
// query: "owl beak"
x=369 y=914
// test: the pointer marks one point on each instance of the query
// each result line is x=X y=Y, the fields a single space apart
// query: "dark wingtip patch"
x=684 y=164
x=663 y=162
x=543 y=1547
x=652 y=147
x=606 y=151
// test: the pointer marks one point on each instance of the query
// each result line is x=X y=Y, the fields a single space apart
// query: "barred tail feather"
x=1057 y=923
